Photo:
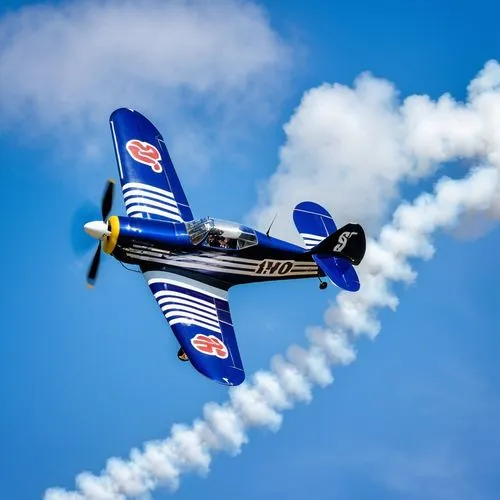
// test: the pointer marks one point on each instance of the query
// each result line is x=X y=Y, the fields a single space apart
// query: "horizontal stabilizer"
x=340 y=271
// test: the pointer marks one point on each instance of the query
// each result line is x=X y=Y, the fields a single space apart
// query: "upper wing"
x=200 y=319
x=151 y=188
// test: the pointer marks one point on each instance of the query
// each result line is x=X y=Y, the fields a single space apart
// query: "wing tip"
x=233 y=381
x=229 y=378
x=122 y=110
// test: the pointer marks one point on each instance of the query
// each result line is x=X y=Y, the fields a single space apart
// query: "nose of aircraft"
x=97 y=229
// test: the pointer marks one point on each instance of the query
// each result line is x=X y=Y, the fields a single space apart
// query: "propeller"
x=99 y=229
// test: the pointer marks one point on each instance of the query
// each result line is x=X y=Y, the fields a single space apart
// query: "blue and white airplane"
x=190 y=264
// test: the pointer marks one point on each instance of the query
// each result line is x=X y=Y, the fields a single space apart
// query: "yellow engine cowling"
x=109 y=244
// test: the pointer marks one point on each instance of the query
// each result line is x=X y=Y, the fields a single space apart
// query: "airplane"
x=190 y=264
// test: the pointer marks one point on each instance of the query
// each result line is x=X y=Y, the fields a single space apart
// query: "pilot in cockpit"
x=215 y=239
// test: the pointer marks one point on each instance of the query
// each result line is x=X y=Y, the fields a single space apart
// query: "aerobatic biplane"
x=189 y=264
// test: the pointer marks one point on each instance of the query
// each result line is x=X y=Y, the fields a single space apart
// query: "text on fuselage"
x=272 y=267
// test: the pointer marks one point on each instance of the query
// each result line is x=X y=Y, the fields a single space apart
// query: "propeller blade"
x=94 y=267
x=107 y=199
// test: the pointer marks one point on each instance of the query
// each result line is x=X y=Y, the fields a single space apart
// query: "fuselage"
x=224 y=253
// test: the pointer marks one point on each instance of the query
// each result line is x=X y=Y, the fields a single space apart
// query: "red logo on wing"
x=209 y=344
x=145 y=153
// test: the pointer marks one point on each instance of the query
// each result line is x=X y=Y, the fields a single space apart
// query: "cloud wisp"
x=205 y=72
x=60 y=62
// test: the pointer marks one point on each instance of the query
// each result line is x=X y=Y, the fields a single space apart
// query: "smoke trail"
x=415 y=139
x=291 y=379
x=363 y=140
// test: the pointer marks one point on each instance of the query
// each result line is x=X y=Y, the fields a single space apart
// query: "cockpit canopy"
x=218 y=233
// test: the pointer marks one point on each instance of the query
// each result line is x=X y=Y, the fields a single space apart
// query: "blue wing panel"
x=201 y=321
x=150 y=185
x=313 y=222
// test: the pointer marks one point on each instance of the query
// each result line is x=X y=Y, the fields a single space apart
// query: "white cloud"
x=200 y=70
x=351 y=148
x=88 y=56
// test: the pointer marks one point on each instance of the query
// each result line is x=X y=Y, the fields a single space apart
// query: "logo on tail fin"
x=343 y=239
x=348 y=242
x=145 y=153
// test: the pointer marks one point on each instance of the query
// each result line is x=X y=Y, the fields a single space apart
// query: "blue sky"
x=86 y=375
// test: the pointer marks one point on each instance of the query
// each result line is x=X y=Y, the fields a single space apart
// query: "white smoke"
x=350 y=149
x=261 y=401
x=430 y=132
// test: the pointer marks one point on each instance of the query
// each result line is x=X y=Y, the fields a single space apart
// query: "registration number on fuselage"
x=274 y=267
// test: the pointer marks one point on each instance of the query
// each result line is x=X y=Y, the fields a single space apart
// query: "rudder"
x=348 y=242
x=313 y=222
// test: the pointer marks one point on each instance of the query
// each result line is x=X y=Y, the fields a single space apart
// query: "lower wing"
x=200 y=319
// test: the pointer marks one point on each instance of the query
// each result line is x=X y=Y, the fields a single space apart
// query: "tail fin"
x=335 y=251
x=349 y=242
x=313 y=222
